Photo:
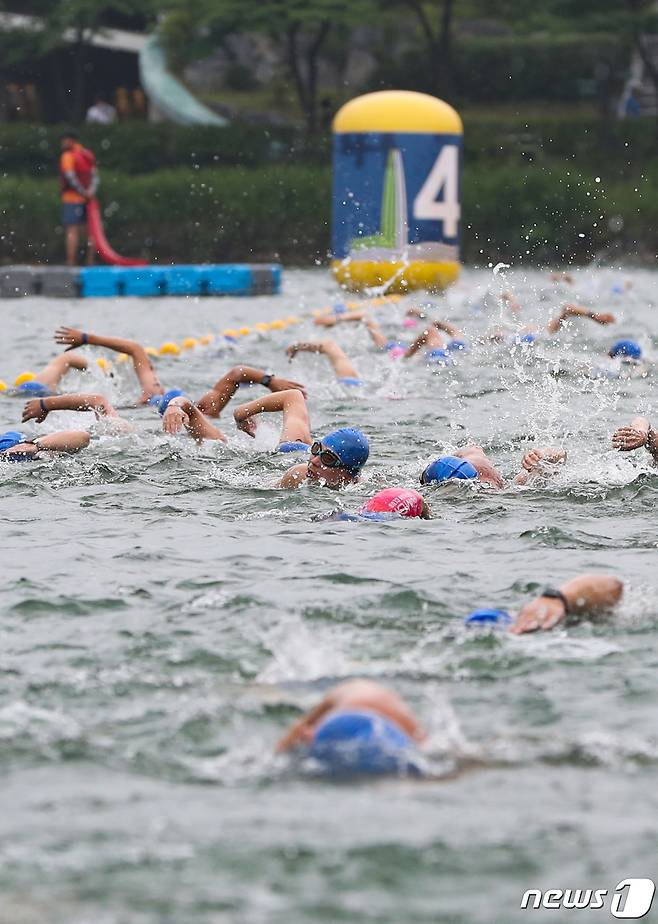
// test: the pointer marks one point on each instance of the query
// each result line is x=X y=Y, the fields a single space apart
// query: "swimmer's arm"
x=181 y=412
x=144 y=370
x=448 y=328
x=588 y=593
x=376 y=334
x=64 y=441
x=296 y=423
x=419 y=342
x=340 y=362
x=574 y=311
x=330 y=320
x=293 y=477
x=39 y=408
x=215 y=400
x=301 y=732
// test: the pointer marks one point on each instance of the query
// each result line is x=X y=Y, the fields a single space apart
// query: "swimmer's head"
x=446 y=467
x=409 y=322
x=339 y=308
x=439 y=357
x=363 y=743
x=9 y=439
x=340 y=453
x=403 y=501
x=458 y=346
x=527 y=338
x=628 y=349
x=396 y=352
x=162 y=401
x=485 y=617
x=33 y=389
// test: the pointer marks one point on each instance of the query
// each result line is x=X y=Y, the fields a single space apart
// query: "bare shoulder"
x=294 y=476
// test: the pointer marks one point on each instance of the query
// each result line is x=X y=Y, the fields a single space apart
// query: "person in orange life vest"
x=79 y=182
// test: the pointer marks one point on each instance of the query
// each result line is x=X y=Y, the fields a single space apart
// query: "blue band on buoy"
x=359 y=742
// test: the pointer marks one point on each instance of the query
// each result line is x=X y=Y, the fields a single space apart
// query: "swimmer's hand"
x=280 y=384
x=69 y=336
x=315 y=346
x=532 y=460
x=35 y=410
x=625 y=439
x=326 y=320
x=542 y=613
x=244 y=421
x=174 y=420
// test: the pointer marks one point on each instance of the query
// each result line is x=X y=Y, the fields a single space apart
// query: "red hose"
x=97 y=234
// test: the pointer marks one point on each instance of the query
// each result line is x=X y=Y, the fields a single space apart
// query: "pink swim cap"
x=405 y=501
x=396 y=352
x=409 y=322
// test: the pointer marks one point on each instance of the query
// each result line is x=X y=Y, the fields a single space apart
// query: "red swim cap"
x=405 y=501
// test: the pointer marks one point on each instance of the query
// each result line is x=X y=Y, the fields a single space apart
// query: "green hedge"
x=514 y=68
x=143 y=147
x=543 y=211
x=140 y=148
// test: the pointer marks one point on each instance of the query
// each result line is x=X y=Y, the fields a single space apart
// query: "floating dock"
x=145 y=281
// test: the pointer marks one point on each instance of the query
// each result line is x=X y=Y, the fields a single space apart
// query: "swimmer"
x=529 y=334
x=472 y=463
x=39 y=408
x=438 y=348
x=342 y=366
x=637 y=434
x=394 y=348
x=335 y=461
x=215 y=400
x=146 y=374
x=47 y=379
x=358 y=728
x=588 y=593
x=16 y=447
x=388 y=504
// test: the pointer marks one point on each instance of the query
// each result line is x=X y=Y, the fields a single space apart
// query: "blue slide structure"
x=167 y=94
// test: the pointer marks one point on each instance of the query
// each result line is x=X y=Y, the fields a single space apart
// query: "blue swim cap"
x=351 y=447
x=488 y=617
x=447 y=467
x=36 y=389
x=440 y=357
x=628 y=348
x=395 y=344
x=162 y=401
x=10 y=438
x=458 y=345
x=525 y=338
x=349 y=380
x=363 y=743
x=293 y=446
x=339 y=308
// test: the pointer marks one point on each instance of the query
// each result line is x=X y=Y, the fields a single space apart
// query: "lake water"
x=166 y=613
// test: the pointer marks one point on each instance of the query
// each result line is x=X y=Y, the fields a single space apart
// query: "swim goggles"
x=327 y=456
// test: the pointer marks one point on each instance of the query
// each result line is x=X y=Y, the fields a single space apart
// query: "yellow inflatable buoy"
x=189 y=343
x=169 y=349
x=397 y=210
x=24 y=377
x=3 y=385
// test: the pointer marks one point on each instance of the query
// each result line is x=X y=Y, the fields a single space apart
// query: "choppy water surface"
x=165 y=613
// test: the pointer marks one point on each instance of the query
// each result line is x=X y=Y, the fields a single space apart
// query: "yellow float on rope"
x=104 y=364
x=3 y=385
x=169 y=349
x=278 y=325
x=206 y=339
x=244 y=331
x=24 y=377
x=189 y=343
x=151 y=351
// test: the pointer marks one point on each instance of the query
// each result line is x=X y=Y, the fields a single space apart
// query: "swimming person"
x=345 y=372
x=637 y=434
x=180 y=413
x=588 y=593
x=528 y=334
x=146 y=374
x=384 y=506
x=472 y=463
x=16 y=447
x=335 y=461
x=46 y=381
x=359 y=728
